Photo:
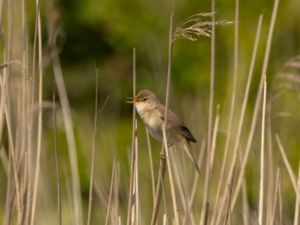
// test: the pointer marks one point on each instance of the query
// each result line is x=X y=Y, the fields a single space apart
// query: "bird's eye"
x=144 y=99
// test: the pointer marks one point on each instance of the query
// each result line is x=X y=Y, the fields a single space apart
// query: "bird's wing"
x=175 y=123
x=186 y=133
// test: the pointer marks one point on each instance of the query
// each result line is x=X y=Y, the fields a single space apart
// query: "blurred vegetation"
x=100 y=34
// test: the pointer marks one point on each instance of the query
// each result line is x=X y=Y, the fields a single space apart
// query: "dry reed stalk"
x=151 y=164
x=30 y=175
x=159 y=189
x=24 y=70
x=21 y=113
x=181 y=181
x=296 y=214
x=232 y=102
x=66 y=111
x=92 y=172
x=57 y=162
x=171 y=179
x=13 y=181
x=287 y=164
x=270 y=179
x=2 y=117
x=19 y=134
x=12 y=150
x=259 y=95
x=169 y=73
x=1 y=11
x=266 y=59
x=248 y=147
x=29 y=158
x=280 y=203
x=214 y=137
x=276 y=190
x=251 y=133
x=163 y=150
x=9 y=198
x=165 y=220
x=197 y=177
x=24 y=111
x=258 y=98
x=178 y=170
x=205 y=204
x=165 y=212
x=100 y=192
x=244 y=104
x=115 y=218
x=262 y=156
x=245 y=204
x=4 y=161
x=228 y=211
x=133 y=146
x=136 y=183
x=30 y=124
x=40 y=115
x=112 y=181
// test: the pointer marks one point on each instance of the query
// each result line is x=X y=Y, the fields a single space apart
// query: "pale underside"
x=177 y=132
x=154 y=120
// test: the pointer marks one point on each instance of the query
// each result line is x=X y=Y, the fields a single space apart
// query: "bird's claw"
x=163 y=155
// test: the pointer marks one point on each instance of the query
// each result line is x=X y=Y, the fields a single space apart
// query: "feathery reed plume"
x=194 y=27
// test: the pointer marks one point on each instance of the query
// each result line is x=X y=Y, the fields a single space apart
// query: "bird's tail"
x=188 y=150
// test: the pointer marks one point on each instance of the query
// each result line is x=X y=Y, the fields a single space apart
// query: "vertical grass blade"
x=40 y=115
x=262 y=157
x=133 y=148
x=76 y=190
x=92 y=173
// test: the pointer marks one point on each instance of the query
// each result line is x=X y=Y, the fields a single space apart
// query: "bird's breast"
x=154 y=123
x=153 y=120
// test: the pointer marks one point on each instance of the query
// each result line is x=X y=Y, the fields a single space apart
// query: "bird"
x=152 y=113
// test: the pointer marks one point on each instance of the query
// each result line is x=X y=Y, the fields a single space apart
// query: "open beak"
x=131 y=100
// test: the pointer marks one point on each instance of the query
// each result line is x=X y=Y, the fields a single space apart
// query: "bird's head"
x=145 y=100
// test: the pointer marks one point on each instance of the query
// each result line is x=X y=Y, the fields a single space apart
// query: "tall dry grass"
x=219 y=195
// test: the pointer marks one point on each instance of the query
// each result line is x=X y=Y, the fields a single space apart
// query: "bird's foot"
x=163 y=155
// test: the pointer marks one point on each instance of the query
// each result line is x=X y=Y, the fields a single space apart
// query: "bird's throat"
x=151 y=117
